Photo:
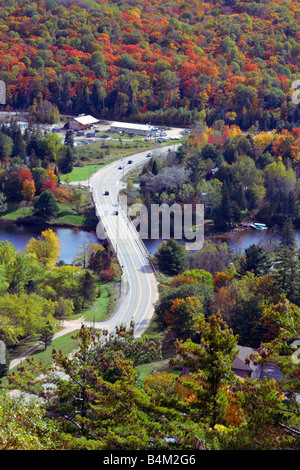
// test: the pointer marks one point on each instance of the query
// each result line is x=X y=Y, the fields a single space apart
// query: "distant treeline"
x=169 y=63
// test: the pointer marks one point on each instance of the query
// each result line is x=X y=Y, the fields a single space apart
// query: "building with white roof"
x=81 y=122
x=139 y=129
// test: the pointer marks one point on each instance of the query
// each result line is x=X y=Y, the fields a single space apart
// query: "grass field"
x=15 y=212
x=102 y=306
x=97 y=311
x=96 y=155
x=64 y=343
x=82 y=173
x=67 y=215
x=146 y=369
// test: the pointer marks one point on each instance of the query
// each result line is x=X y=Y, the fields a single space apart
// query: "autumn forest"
x=224 y=73
x=164 y=62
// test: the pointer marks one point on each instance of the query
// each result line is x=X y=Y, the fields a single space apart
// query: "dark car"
x=120 y=168
x=106 y=193
x=115 y=213
x=148 y=155
x=129 y=162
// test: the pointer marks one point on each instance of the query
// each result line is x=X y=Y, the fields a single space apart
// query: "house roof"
x=86 y=119
x=259 y=371
x=270 y=370
x=245 y=352
x=128 y=125
x=238 y=364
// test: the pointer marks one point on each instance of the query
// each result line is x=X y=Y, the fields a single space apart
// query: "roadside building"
x=23 y=125
x=81 y=123
x=129 y=128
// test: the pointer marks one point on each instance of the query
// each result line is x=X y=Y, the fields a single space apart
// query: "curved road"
x=139 y=285
x=139 y=289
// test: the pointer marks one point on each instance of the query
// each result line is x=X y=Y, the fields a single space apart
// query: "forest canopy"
x=174 y=62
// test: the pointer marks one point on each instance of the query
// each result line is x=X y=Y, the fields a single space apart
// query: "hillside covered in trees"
x=227 y=69
x=166 y=62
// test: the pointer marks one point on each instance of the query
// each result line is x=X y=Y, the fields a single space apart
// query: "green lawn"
x=98 y=311
x=82 y=173
x=146 y=369
x=101 y=308
x=99 y=154
x=64 y=343
x=15 y=212
x=67 y=215
x=153 y=332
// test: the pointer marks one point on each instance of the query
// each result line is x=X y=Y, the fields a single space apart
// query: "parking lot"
x=101 y=132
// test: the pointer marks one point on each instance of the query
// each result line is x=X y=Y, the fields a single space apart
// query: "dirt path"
x=67 y=327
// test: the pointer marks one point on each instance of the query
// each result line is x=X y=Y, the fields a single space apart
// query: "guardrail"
x=99 y=218
x=139 y=240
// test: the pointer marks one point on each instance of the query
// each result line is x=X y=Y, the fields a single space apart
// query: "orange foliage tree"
x=28 y=190
x=183 y=316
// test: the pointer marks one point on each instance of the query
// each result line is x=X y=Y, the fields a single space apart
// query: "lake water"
x=71 y=239
x=237 y=241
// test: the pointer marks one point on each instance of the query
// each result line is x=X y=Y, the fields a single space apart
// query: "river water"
x=238 y=241
x=71 y=239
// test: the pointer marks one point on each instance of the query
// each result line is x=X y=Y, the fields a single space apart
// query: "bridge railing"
x=139 y=240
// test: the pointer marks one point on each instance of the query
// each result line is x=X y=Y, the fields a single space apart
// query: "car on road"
x=129 y=162
x=148 y=155
x=120 y=168
x=106 y=193
x=115 y=213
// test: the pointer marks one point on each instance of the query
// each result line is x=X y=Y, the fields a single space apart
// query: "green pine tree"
x=46 y=205
x=287 y=235
x=66 y=162
x=256 y=260
x=171 y=257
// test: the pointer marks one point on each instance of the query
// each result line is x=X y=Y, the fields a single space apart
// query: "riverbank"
x=66 y=217
x=47 y=224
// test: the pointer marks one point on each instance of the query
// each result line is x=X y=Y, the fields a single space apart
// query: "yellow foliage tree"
x=183 y=389
x=46 y=248
x=263 y=140
x=28 y=190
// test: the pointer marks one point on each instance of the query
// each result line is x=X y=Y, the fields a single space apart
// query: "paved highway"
x=139 y=285
x=139 y=289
